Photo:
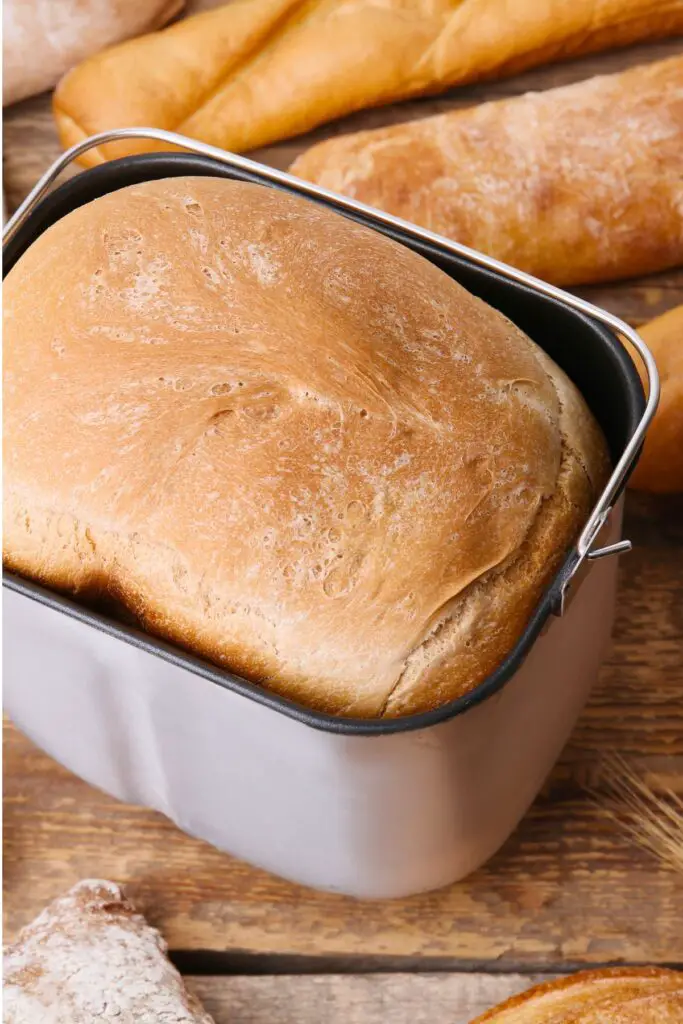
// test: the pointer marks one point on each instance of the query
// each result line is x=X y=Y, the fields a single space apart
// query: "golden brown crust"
x=620 y=995
x=660 y=468
x=286 y=443
x=255 y=71
x=495 y=608
x=577 y=184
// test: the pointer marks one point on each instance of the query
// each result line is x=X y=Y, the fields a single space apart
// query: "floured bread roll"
x=285 y=442
x=90 y=957
x=42 y=39
x=596 y=167
x=619 y=995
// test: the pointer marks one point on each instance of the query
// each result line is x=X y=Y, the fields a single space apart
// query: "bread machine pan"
x=379 y=808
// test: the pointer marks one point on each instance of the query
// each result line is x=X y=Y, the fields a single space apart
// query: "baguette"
x=578 y=184
x=660 y=468
x=91 y=957
x=286 y=443
x=256 y=71
x=618 y=995
x=44 y=38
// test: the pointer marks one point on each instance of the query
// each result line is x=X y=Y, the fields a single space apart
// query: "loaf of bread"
x=660 y=467
x=91 y=957
x=285 y=442
x=42 y=39
x=617 y=995
x=256 y=71
x=578 y=184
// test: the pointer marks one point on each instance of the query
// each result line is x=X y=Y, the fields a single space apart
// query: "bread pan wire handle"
x=598 y=517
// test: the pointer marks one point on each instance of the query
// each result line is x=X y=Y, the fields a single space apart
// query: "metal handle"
x=603 y=506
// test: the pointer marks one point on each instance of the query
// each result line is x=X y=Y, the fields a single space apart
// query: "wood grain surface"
x=566 y=890
x=374 y=999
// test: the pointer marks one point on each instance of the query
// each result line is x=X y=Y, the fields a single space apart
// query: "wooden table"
x=567 y=890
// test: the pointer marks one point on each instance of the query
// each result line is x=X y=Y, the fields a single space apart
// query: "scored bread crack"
x=467 y=604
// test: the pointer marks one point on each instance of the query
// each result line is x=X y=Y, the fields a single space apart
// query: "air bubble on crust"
x=192 y=207
x=355 y=511
x=219 y=420
x=211 y=275
x=344 y=577
x=120 y=242
x=261 y=413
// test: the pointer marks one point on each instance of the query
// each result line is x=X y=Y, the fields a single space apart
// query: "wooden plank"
x=566 y=888
x=29 y=146
x=353 y=999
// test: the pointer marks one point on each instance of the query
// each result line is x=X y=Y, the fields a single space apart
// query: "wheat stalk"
x=653 y=820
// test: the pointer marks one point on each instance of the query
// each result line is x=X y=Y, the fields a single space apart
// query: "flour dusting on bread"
x=90 y=957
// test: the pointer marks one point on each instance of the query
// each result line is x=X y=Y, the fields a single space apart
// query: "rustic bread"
x=91 y=957
x=578 y=184
x=42 y=39
x=255 y=71
x=618 y=995
x=285 y=442
x=660 y=467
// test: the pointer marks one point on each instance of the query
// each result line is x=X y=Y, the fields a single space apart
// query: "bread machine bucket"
x=373 y=808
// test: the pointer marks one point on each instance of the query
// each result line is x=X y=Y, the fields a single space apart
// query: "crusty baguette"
x=256 y=71
x=285 y=442
x=660 y=467
x=618 y=995
x=91 y=957
x=578 y=184
x=42 y=39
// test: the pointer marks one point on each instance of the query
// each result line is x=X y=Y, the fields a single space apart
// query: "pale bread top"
x=285 y=442
x=41 y=40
